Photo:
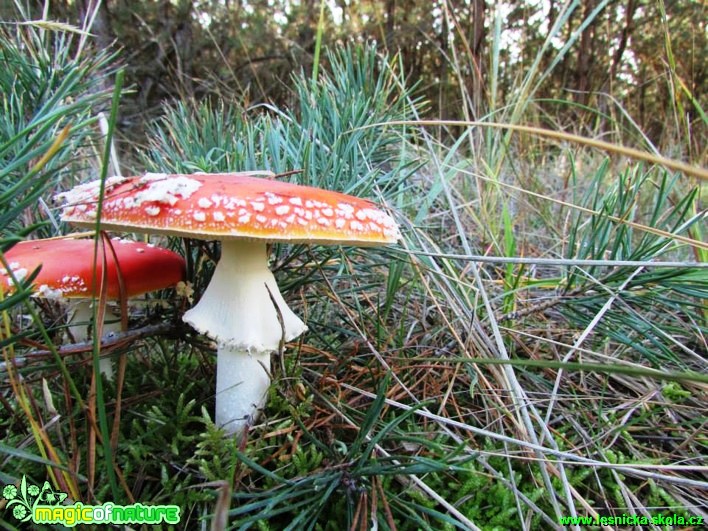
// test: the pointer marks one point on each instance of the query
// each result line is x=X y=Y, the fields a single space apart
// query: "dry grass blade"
x=676 y=165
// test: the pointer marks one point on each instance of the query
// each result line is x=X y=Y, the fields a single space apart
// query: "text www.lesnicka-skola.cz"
x=633 y=519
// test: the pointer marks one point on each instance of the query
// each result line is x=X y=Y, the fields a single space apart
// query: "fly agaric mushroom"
x=245 y=213
x=67 y=272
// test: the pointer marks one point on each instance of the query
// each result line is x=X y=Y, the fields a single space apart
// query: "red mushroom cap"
x=230 y=206
x=67 y=267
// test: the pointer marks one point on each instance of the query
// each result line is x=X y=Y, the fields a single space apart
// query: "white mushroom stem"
x=79 y=323
x=237 y=311
x=242 y=382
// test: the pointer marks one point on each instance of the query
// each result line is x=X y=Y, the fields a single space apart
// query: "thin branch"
x=109 y=341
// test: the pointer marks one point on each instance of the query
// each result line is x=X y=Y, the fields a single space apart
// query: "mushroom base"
x=242 y=381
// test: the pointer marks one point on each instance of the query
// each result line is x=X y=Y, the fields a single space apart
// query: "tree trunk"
x=586 y=56
x=101 y=28
x=624 y=39
x=479 y=8
x=390 y=18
